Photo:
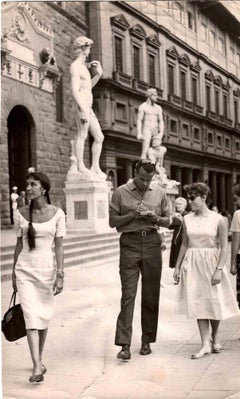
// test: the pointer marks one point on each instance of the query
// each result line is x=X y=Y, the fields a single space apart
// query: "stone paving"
x=81 y=357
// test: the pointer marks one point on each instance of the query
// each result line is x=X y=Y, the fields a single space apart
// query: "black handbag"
x=13 y=323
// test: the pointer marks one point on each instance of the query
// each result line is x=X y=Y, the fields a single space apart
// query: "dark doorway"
x=21 y=128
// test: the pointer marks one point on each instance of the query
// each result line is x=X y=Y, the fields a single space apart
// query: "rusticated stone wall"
x=50 y=138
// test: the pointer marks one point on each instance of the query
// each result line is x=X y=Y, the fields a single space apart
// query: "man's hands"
x=178 y=216
x=142 y=212
x=139 y=136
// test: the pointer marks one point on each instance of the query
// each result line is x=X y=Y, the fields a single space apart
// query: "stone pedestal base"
x=87 y=205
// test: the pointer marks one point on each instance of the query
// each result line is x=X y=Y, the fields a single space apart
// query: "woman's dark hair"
x=236 y=190
x=45 y=183
x=147 y=165
x=200 y=189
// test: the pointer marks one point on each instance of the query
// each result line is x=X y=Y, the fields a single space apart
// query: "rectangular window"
x=212 y=38
x=190 y=20
x=204 y=33
x=183 y=85
x=178 y=11
x=136 y=62
x=232 y=54
x=210 y=137
x=152 y=69
x=227 y=143
x=225 y=106
x=59 y=101
x=236 y=111
x=208 y=98
x=217 y=102
x=173 y=126
x=196 y=134
x=219 y=141
x=238 y=59
x=119 y=54
x=194 y=91
x=221 y=45
x=185 y=130
x=238 y=146
x=170 y=79
x=121 y=112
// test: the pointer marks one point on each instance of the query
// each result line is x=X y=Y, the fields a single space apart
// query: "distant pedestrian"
x=14 y=197
x=137 y=210
x=235 y=253
x=205 y=291
x=176 y=226
x=227 y=217
x=39 y=226
x=22 y=199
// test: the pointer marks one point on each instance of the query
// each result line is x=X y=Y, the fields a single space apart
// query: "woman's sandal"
x=200 y=354
x=216 y=348
x=43 y=369
x=36 y=378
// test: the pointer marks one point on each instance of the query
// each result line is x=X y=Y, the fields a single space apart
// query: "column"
x=213 y=183
x=222 y=199
x=229 y=196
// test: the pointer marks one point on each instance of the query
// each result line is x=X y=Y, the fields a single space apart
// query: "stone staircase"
x=87 y=250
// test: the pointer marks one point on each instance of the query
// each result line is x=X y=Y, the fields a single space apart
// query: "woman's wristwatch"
x=60 y=273
x=219 y=268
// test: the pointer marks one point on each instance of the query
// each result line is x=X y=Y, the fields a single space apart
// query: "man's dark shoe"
x=145 y=349
x=125 y=353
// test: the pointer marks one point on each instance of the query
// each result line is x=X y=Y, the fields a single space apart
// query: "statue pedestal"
x=87 y=205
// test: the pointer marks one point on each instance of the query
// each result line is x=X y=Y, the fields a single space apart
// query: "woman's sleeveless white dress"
x=196 y=297
x=36 y=269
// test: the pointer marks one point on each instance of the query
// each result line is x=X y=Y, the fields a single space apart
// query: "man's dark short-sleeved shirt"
x=127 y=198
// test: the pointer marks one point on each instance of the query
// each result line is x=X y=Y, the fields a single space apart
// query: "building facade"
x=188 y=50
x=193 y=59
x=37 y=122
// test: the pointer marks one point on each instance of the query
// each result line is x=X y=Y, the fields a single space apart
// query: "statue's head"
x=82 y=44
x=152 y=94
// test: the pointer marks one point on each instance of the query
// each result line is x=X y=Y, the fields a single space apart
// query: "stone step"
x=68 y=244
x=91 y=259
x=68 y=239
x=82 y=251
x=87 y=249
x=73 y=252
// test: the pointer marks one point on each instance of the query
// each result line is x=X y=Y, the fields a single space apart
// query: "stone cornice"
x=120 y=22
x=138 y=31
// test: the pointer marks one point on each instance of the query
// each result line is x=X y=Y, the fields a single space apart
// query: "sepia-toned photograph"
x=120 y=199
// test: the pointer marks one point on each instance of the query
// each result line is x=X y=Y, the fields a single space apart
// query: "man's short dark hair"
x=147 y=165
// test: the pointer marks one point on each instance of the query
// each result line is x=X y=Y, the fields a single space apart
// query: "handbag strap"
x=13 y=298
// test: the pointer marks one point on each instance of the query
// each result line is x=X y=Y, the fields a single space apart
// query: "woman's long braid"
x=47 y=197
x=31 y=232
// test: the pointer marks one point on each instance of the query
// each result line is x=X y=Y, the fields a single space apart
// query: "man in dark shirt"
x=137 y=209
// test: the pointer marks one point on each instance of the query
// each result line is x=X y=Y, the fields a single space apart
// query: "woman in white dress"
x=204 y=291
x=235 y=253
x=40 y=227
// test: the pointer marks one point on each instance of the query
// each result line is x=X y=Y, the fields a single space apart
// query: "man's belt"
x=142 y=233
